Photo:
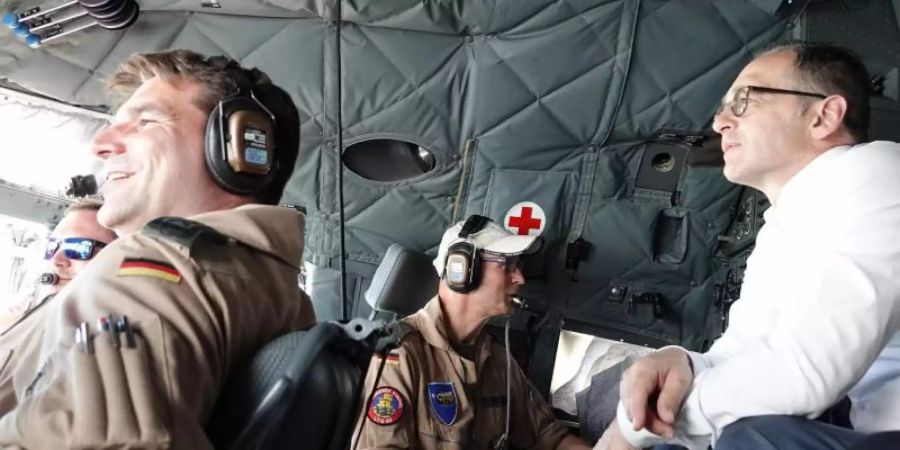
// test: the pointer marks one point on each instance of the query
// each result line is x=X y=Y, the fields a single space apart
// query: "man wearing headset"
x=75 y=240
x=133 y=353
x=446 y=385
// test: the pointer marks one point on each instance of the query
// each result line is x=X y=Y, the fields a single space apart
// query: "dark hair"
x=85 y=204
x=830 y=70
x=217 y=84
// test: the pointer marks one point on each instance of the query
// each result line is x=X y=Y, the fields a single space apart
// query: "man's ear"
x=829 y=117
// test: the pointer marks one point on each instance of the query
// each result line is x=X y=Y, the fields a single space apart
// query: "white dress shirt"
x=820 y=303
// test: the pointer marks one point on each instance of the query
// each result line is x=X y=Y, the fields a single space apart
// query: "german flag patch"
x=141 y=267
x=393 y=359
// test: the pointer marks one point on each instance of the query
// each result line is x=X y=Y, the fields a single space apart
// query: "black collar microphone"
x=48 y=279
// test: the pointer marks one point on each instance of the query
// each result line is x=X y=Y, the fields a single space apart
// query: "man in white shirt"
x=819 y=312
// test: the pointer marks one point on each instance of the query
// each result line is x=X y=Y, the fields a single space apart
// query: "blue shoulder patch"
x=443 y=401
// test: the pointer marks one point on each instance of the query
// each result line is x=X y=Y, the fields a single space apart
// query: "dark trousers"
x=785 y=433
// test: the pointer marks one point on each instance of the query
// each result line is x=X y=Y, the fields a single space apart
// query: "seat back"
x=299 y=391
x=404 y=282
x=302 y=389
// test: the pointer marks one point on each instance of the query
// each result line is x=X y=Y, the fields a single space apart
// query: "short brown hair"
x=217 y=78
x=217 y=83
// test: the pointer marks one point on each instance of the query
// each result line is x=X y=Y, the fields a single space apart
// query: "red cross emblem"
x=526 y=219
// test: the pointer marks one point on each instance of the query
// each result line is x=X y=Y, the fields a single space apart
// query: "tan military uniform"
x=479 y=392
x=14 y=339
x=201 y=304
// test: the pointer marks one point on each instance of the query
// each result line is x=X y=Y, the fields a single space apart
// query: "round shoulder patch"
x=386 y=407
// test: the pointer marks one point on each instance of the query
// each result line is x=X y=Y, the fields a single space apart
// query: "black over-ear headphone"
x=462 y=267
x=240 y=137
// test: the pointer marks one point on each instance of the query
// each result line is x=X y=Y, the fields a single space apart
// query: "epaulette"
x=400 y=329
x=182 y=231
x=393 y=336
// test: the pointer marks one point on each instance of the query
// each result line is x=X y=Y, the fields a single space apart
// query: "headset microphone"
x=531 y=305
x=48 y=279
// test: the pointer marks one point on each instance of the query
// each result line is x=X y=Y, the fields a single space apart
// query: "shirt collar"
x=432 y=326
x=806 y=178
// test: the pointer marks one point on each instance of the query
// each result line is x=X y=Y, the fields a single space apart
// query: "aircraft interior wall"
x=563 y=105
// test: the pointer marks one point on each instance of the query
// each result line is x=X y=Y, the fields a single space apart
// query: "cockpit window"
x=579 y=357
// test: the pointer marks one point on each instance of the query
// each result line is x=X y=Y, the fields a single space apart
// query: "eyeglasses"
x=741 y=98
x=511 y=264
x=77 y=248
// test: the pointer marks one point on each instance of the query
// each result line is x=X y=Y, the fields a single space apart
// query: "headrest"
x=404 y=282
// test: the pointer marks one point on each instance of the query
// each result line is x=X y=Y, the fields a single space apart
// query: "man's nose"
x=107 y=142
x=723 y=120
x=516 y=276
x=59 y=259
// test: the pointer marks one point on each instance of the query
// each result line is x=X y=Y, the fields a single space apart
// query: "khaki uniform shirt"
x=199 y=310
x=15 y=338
x=413 y=405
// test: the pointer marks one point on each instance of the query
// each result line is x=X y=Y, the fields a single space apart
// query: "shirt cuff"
x=691 y=418
x=644 y=438
x=641 y=438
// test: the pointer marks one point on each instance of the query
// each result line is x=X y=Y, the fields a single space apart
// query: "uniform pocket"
x=115 y=395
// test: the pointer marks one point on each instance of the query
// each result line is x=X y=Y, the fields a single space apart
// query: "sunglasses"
x=741 y=98
x=77 y=248
x=511 y=264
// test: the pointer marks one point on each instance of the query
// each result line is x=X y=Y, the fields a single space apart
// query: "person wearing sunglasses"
x=814 y=334
x=71 y=245
x=449 y=385
x=135 y=350
x=75 y=241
